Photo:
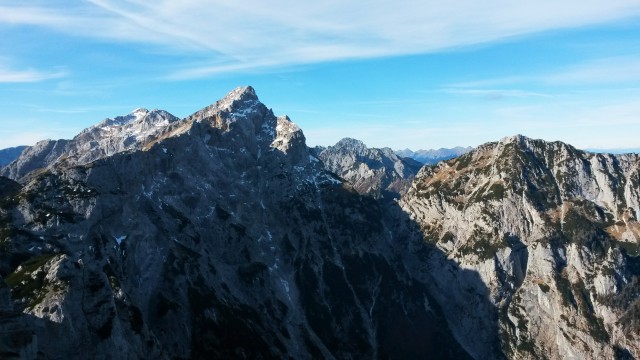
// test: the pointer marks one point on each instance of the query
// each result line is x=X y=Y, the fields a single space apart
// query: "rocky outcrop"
x=222 y=236
x=553 y=233
x=371 y=171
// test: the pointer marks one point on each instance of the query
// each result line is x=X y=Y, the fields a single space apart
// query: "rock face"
x=432 y=157
x=9 y=154
x=376 y=172
x=217 y=236
x=222 y=235
x=552 y=232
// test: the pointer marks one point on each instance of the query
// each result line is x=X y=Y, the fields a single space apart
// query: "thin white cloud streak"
x=495 y=94
x=603 y=71
x=244 y=35
x=26 y=76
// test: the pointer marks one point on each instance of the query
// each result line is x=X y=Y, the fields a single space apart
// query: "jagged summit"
x=518 y=138
x=547 y=227
x=351 y=143
x=241 y=93
x=239 y=100
x=239 y=112
x=370 y=171
x=523 y=141
x=137 y=116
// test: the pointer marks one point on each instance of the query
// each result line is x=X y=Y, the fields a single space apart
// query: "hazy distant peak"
x=433 y=156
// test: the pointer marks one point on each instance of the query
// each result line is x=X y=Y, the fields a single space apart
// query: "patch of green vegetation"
x=77 y=191
x=9 y=202
x=584 y=225
x=526 y=346
x=25 y=285
x=596 y=325
x=632 y=249
x=447 y=237
x=496 y=192
x=463 y=161
x=6 y=234
x=485 y=246
x=564 y=287
x=114 y=283
x=544 y=287
x=627 y=300
x=477 y=196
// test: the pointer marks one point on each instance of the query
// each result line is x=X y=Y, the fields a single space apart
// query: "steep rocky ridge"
x=111 y=136
x=9 y=154
x=552 y=231
x=371 y=171
x=220 y=236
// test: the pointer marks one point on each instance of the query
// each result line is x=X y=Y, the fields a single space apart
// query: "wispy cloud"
x=8 y=75
x=496 y=94
x=246 y=35
x=602 y=71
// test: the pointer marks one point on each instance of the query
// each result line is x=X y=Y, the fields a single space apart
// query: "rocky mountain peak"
x=138 y=116
x=110 y=136
x=238 y=99
x=370 y=171
x=351 y=144
x=140 y=111
x=548 y=227
x=240 y=105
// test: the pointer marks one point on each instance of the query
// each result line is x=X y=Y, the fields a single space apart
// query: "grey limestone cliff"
x=553 y=233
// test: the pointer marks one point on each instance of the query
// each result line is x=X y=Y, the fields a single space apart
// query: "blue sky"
x=404 y=73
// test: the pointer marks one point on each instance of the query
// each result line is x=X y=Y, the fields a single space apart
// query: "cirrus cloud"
x=246 y=35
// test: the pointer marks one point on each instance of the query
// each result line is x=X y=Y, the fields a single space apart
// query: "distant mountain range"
x=432 y=157
x=616 y=151
x=9 y=154
x=222 y=235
